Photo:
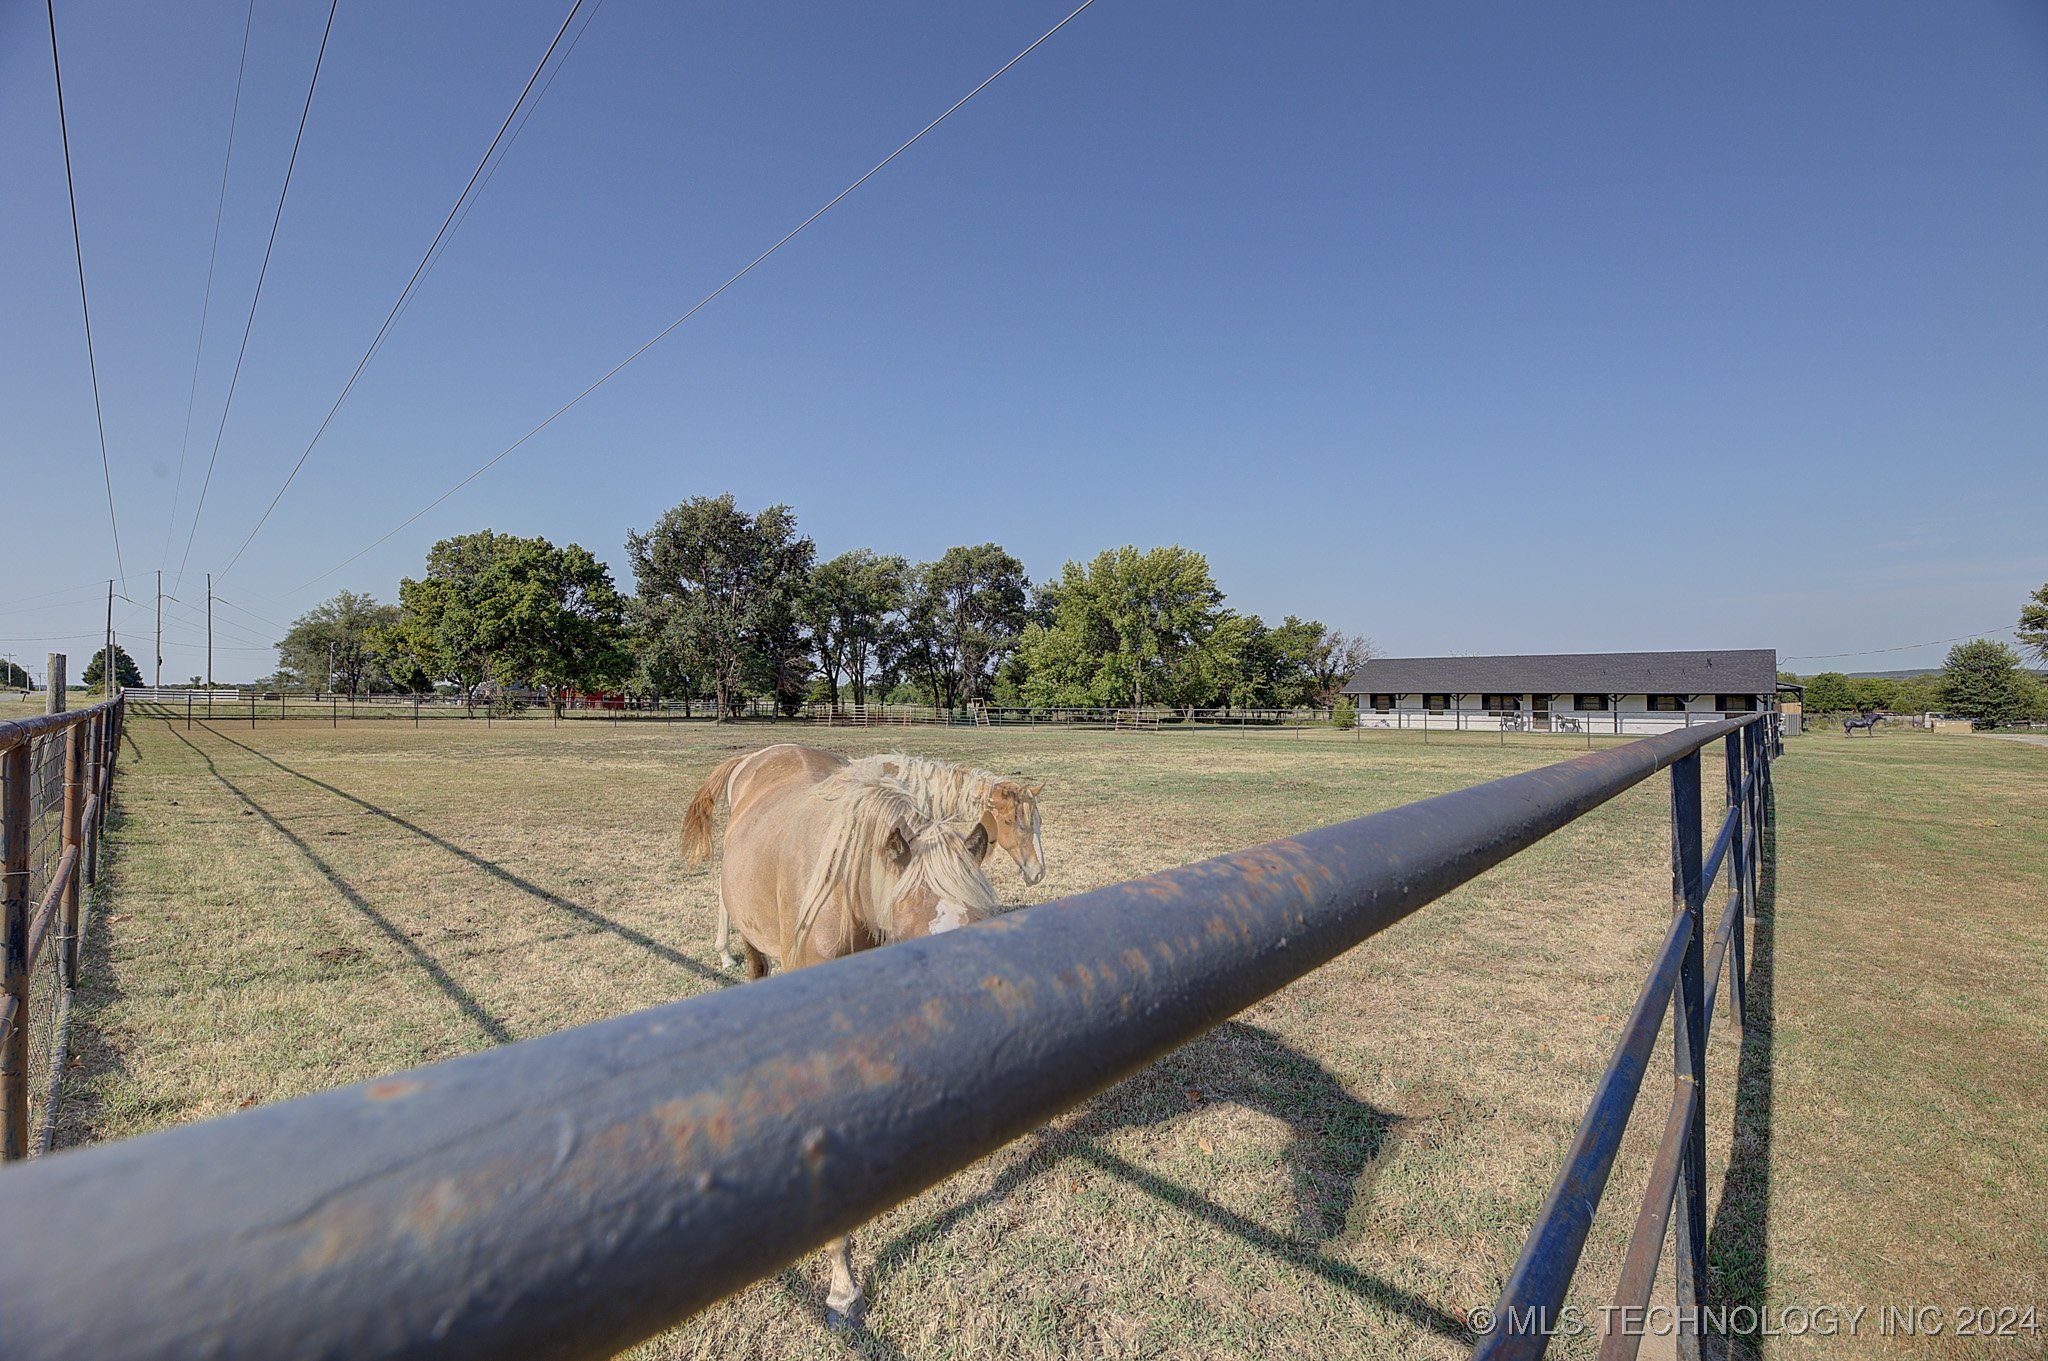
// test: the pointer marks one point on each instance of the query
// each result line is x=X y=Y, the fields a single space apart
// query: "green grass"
x=1343 y=1170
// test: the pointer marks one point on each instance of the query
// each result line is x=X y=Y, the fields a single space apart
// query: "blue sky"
x=1471 y=328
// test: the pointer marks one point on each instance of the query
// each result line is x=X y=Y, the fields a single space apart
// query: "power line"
x=93 y=595
x=257 y=296
x=78 y=249
x=510 y=142
x=206 y=301
x=220 y=599
x=377 y=341
x=1902 y=647
x=192 y=618
x=701 y=303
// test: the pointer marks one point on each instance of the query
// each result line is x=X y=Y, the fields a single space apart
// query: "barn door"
x=1539 y=713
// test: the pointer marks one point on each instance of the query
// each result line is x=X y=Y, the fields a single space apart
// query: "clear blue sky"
x=1472 y=328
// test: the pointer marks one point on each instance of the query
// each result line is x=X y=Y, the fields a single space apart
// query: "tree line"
x=1980 y=680
x=730 y=607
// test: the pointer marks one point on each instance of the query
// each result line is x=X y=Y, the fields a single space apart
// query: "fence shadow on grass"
x=493 y=1028
x=1337 y=1139
x=584 y=914
x=1738 y=1246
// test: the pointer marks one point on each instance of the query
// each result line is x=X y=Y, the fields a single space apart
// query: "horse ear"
x=899 y=846
x=1032 y=789
x=977 y=840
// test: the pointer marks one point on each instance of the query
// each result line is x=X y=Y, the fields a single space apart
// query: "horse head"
x=1011 y=813
x=936 y=883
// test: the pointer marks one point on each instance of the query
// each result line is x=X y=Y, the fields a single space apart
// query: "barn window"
x=1667 y=704
x=1735 y=704
x=1437 y=704
x=1501 y=704
x=1383 y=704
x=1590 y=704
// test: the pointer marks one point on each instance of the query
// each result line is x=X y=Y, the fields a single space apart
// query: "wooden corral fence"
x=571 y=1195
x=56 y=775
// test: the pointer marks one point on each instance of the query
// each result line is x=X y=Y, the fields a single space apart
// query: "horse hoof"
x=841 y=1315
x=728 y=963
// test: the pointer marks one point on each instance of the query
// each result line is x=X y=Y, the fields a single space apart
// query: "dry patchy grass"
x=1342 y=1170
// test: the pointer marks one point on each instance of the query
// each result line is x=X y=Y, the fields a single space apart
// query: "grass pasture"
x=1341 y=1171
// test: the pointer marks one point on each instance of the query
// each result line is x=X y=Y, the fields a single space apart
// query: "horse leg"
x=843 y=1297
x=725 y=955
x=757 y=963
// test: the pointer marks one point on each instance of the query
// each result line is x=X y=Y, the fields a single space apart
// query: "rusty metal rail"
x=42 y=892
x=569 y=1195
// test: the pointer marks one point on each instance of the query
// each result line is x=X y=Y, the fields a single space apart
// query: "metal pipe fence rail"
x=570 y=1195
x=56 y=777
x=1686 y=978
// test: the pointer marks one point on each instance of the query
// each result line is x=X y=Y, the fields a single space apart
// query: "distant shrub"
x=1345 y=715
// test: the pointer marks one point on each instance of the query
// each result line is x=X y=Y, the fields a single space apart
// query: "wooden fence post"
x=14 y=974
x=53 y=674
x=76 y=740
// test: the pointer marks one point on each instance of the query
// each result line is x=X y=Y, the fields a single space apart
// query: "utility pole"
x=159 y=682
x=209 y=632
x=107 y=657
x=330 y=664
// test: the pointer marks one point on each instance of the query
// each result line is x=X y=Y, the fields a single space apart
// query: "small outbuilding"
x=1609 y=692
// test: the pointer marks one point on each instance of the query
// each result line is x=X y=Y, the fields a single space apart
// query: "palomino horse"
x=1006 y=809
x=823 y=859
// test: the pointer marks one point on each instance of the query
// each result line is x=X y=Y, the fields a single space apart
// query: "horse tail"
x=696 y=836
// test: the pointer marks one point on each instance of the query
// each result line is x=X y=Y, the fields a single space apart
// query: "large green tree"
x=513 y=610
x=2033 y=629
x=555 y=619
x=13 y=675
x=962 y=617
x=718 y=589
x=849 y=612
x=1982 y=680
x=126 y=672
x=1135 y=627
x=1829 y=693
x=337 y=636
x=1316 y=661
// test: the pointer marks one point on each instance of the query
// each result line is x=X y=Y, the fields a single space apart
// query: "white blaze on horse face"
x=950 y=917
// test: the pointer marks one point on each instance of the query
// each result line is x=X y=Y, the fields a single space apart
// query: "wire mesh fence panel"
x=46 y=852
x=51 y=768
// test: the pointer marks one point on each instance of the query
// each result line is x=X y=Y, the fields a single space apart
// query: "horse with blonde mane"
x=1006 y=809
x=822 y=858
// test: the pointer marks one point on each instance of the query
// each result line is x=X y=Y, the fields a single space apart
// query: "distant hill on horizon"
x=1923 y=671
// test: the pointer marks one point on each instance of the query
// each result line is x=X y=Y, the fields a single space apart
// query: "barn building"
x=1606 y=692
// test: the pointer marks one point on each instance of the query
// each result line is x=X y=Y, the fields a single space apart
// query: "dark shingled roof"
x=1751 y=671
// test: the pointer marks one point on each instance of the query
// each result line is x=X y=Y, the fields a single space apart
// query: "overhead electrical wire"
x=206 y=300
x=91 y=595
x=190 y=616
x=220 y=599
x=78 y=250
x=263 y=272
x=510 y=142
x=702 y=302
x=405 y=293
x=1902 y=647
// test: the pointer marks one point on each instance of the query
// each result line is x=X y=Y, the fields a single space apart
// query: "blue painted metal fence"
x=1685 y=979
x=570 y=1195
